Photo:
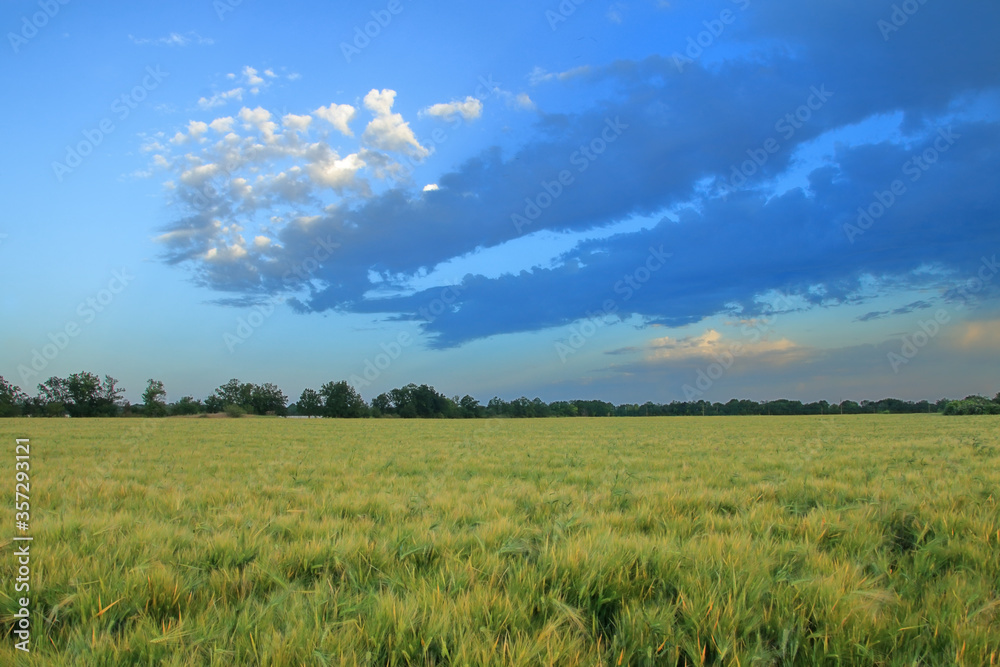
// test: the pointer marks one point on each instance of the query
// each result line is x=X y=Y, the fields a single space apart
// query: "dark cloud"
x=661 y=134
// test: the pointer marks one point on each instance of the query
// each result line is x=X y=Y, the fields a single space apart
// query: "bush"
x=234 y=411
x=972 y=405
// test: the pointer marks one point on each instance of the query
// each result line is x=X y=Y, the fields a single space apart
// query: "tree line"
x=87 y=395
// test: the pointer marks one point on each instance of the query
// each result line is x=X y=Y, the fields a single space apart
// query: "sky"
x=642 y=200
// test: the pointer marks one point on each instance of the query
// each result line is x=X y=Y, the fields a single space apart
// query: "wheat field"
x=852 y=540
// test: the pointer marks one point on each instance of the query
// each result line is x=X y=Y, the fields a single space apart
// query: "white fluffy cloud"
x=335 y=172
x=470 y=109
x=250 y=82
x=338 y=115
x=388 y=131
x=222 y=125
x=219 y=99
x=259 y=118
x=296 y=122
x=251 y=79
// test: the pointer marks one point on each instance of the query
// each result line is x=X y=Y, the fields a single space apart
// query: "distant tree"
x=972 y=405
x=90 y=397
x=54 y=390
x=562 y=409
x=383 y=405
x=268 y=399
x=188 y=405
x=341 y=400
x=111 y=397
x=470 y=407
x=310 y=403
x=235 y=392
x=12 y=399
x=497 y=407
x=153 y=401
x=850 y=408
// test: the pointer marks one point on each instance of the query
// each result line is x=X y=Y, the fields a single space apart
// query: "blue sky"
x=632 y=201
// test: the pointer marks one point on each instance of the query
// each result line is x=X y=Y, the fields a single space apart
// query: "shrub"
x=972 y=405
x=234 y=411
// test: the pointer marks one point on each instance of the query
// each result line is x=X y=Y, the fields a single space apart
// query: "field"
x=854 y=540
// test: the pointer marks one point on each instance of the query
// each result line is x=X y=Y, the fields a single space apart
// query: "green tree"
x=235 y=392
x=268 y=399
x=310 y=403
x=341 y=400
x=153 y=399
x=188 y=405
x=12 y=399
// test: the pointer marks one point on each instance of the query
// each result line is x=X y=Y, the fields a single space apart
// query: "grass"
x=852 y=540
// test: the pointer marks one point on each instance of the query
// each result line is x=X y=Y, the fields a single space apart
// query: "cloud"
x=334 y=172
x=678 y=140
x=338 y=115
x=250 y=83
x=469 y=110
x=174 y=39
x=711 y=345
x=540 y=75
x=903 y=310
x=259 y=118
x=981 y=336
x=388 y=131
x=219 y=99
x=251 y=79
x=222 y=125
x=297 y=123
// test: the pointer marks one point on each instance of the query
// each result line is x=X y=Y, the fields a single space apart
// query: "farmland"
x=855 y=540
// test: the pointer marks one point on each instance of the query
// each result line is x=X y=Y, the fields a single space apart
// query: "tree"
x=188 y=405
x=53 y=391
x=12 y=399
x=470 y=407
x=972 y=405
x=268 y=399
x=341 y=400
x=382 y=405
x=153 y=401
x=310 y=403
x=235 y=392
x=110 y=401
